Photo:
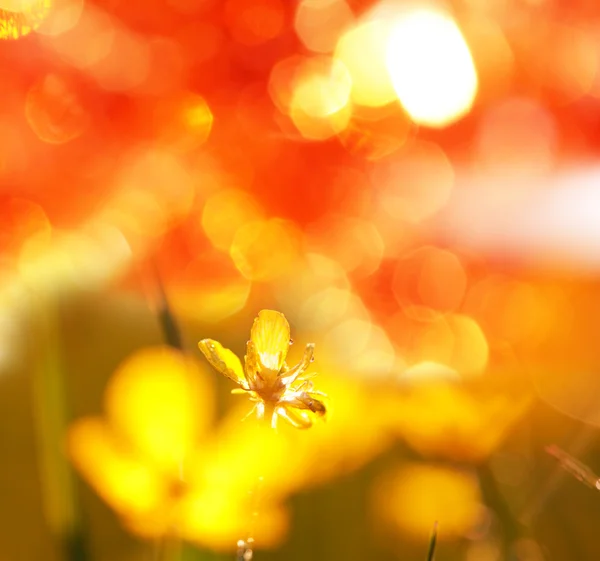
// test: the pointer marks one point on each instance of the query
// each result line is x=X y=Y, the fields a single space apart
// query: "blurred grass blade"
x=51 y=418
x=169 y=326
x=577 y=469
x=157 y=297
x=579 y=443
x=432 y=542
x=166 y=316
x=165 y=549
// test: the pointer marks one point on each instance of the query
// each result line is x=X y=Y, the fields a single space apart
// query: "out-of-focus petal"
x=219 y=518
x=252 y=361
x=459 y=424
x=223 y=360
x=160 y=401
x=307 y=358
x=128 y=485
x=298 y=419
x=345 y=442
x=415 y=495
x=271 y=335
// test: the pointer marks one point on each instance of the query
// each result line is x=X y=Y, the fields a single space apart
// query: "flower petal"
x=252 y=363
x=271 y=335
x=298 y=419
x=124 y=481
x=305 y=400
x=161 y=402
x=223 y=360
x=217 y=517
x=301 y=367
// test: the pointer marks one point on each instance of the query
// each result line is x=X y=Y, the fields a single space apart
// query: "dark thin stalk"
x=166 y=548
x=432 y=542
x=167 y=320
x=578 y=446
x=172 y=336
x=576 y=468
x=495 y=499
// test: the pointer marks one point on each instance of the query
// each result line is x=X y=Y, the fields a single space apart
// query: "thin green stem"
x=166 y=548
x=171 y=332
x=578 y=445
x=495 y=499
x=432 y=543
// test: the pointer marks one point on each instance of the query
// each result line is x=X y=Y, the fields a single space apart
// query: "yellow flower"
x=154 y=459
x=411 y=497
x=437 y=415
x=277 y=389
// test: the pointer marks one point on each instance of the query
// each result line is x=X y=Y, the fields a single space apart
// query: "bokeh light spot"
x=225 y=212
x=127 y=63
x=319 y=23
x=63 y=16
x=53 y=111
x=362 y=50
x=432 y=339
x=455 y=340
x=517 y=136
x=349 y=338
x=197 y=118
x=252 y=22
x=428 y=372
x=470 y=348
x=325 y=307
x=264 y=250
x=492 y=55
x=282 y=79
x=355 y=244
x=376 y=136
x=185 y=122
x=483 y=551
x=431 y=67
x=430 y=277
x=310 y=283
x=417 y=494
x=200 y=40
x=319 y=107
x=208 y=297
x=22 y=224
x=154 y=191
x=511 y=310
x=87 y=43
x=415 y=183
x=569 y=62
x=378 y=358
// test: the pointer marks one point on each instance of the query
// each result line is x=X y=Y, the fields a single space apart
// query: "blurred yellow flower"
x=347 y=441
x=414 y=496
x=277 y=389
x=153 y=460
x=437 y=415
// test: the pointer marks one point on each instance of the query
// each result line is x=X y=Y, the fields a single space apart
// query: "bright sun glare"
x=431 y=68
